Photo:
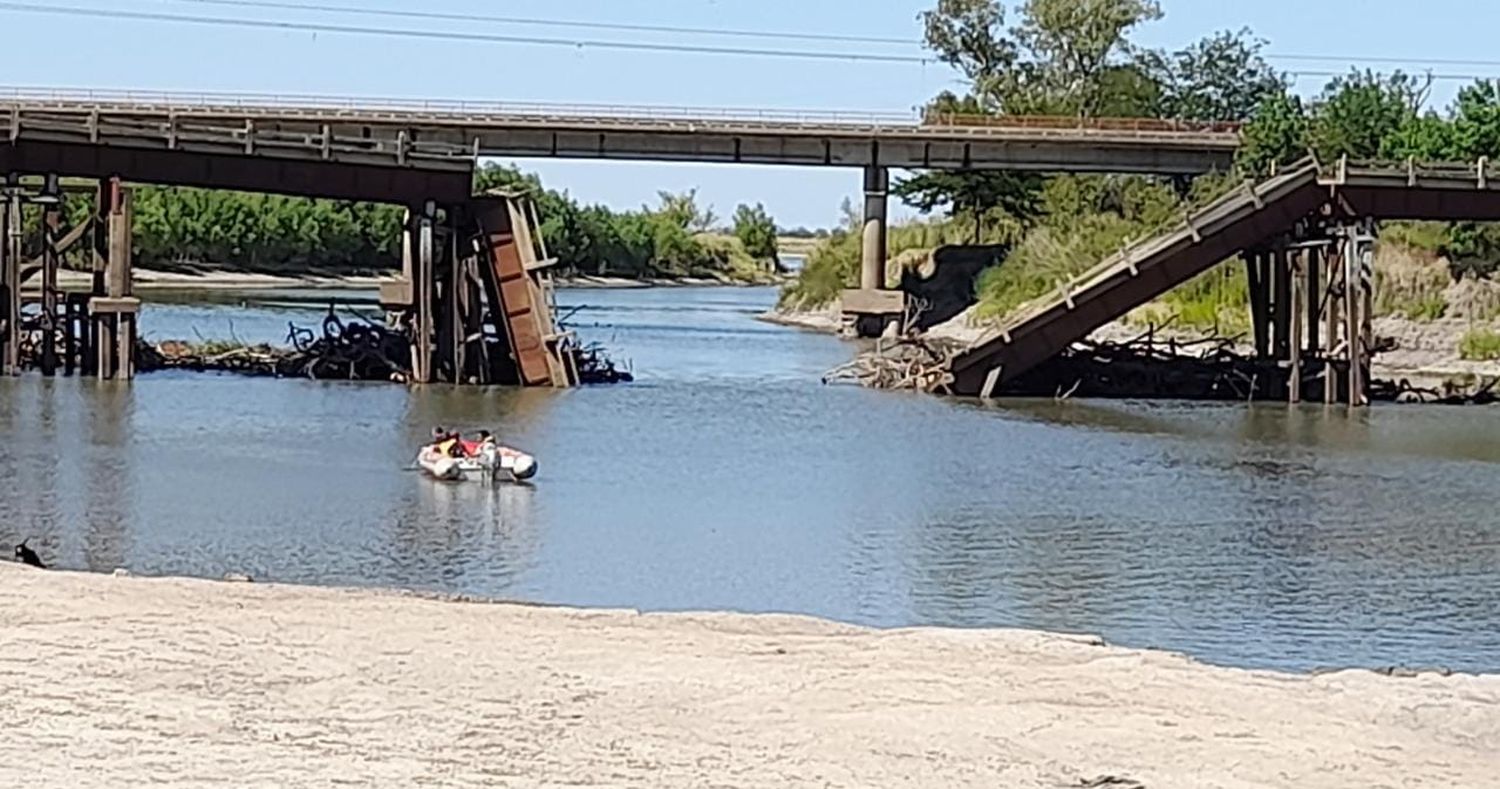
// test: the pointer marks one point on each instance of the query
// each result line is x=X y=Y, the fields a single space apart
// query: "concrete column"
x=877 y=187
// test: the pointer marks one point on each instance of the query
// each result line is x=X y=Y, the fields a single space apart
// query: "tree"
x=970 y=36
x=1357 y=114
x=1476 y=123
x=1065 y=57
x=1077 y=57
x=972 y=193
x=1224 y=77
x=756 y=231
x=1276 y=135
x=683 y=210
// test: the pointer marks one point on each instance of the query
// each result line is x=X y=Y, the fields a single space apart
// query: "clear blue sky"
x=46 y=50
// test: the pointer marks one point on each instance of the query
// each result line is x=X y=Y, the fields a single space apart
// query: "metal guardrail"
x=264 y=101
x=1061 y=123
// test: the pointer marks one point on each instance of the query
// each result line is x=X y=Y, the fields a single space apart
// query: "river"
x=727 y=477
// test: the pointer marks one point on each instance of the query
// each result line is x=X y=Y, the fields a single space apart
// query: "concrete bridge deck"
x=1256 y=216
x=445 y=135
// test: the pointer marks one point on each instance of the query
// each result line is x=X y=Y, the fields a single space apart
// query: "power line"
x=769 y=34
x=1386 y=60
x=586 y=25
x=316 y=27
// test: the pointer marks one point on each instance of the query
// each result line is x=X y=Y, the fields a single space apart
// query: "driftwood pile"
x=357 y=350
x=901 y=363
x=1209 y=369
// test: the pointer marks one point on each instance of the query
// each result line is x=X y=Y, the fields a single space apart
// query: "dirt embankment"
x=125 y=682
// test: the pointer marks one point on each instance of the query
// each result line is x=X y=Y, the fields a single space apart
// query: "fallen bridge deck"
x=1250 y=217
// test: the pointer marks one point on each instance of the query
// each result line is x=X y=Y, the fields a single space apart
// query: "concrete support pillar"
x=10 y=289
x=877 y=188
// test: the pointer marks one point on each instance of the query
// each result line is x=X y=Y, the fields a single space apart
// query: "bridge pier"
x=417 y=268
x=872 y=261
x=113 y=308
x=476 y=299
x=872 y=307
x=1359 y=301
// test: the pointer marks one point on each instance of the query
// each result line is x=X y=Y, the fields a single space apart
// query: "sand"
x=110 y=681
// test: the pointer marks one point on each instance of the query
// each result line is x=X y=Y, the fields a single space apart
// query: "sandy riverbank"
x=112 y=681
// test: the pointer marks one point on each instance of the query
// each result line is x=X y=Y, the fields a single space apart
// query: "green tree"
x=973 y=194
x=756 y=231
x=682 y=209
x=1224 y=77
x=1276 y=135
x=1077 y=58
x=1357 y=114
x=1476 y=123
x=970 y=36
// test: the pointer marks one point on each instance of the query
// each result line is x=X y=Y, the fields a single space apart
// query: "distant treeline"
x=177 y=227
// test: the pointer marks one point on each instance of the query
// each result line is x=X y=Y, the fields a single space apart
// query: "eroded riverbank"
x=116 y=681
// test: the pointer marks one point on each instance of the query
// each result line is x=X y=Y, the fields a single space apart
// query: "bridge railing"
x=963 y=120
x=71 y=97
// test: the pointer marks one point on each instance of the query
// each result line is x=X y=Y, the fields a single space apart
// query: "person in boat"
x=447 y=442
x=476 y=447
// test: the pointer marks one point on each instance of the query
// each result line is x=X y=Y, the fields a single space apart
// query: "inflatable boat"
x=490 y=462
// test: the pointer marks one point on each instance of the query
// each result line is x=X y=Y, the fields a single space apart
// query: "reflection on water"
x=727 y=478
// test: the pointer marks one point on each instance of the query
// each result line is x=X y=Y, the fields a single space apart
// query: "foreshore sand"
x=116 y=681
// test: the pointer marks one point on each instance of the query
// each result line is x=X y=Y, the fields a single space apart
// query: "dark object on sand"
x=25 y=555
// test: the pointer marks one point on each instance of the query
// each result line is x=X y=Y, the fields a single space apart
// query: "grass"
x=834 y=263
x=1479 y=344
x=1410 y=281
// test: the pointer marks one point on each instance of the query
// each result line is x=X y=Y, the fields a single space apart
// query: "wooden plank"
x=518 y=305
x=1298 y=310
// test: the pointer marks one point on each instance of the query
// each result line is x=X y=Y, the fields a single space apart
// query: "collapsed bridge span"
x=1306 y=236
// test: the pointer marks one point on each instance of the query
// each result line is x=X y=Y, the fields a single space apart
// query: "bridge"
x=1306 y=236
x=421 y=154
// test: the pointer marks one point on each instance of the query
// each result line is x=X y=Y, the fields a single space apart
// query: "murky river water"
x=728 y=478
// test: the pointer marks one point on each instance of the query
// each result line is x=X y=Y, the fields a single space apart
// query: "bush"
x=1480 y=344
